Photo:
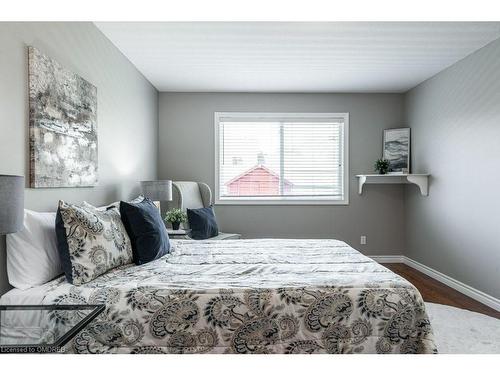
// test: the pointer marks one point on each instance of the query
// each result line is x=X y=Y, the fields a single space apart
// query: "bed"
x=247 y=296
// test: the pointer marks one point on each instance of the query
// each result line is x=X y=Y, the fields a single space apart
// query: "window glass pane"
x=250 y=158
x=312 y=159
x=281 y=158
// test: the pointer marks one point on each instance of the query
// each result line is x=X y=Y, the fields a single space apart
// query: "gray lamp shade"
x=11 y=203
x=157 y=190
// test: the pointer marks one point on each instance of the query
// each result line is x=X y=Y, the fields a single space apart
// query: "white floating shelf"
x=421 y=180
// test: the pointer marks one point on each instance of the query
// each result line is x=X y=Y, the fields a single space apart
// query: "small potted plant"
x=382 y=166
x=175 y=216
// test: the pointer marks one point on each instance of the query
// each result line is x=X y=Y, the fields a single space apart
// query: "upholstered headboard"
x=189 y=194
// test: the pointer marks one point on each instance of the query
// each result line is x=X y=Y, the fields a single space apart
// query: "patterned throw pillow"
x=90 y=241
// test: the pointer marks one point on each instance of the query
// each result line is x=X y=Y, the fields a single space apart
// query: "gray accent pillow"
x=90 y=241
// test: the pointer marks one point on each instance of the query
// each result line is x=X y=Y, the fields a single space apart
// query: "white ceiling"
x=295 y=57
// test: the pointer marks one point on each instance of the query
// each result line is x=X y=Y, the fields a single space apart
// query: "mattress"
x=247 y=296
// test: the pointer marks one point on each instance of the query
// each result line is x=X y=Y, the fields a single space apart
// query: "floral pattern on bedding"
x=252 y=296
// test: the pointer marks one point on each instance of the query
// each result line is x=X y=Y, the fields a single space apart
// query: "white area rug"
x=460 y=331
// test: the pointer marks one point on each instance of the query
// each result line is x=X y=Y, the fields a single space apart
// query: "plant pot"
x=382 y=172
x=175 y=226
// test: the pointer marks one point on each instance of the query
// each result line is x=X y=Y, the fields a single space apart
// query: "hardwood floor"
x=436 y=292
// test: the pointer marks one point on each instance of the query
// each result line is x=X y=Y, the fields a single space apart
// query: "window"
x=281 y=158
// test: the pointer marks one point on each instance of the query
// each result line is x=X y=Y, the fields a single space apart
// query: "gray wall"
x=187 y=153
x=127 y=112
x=455 y=122
x=454 y=117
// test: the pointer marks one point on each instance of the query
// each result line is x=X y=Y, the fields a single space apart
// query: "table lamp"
x=157 y=191
x=11 y=203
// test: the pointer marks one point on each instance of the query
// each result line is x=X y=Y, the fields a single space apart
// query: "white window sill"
x=282 y=202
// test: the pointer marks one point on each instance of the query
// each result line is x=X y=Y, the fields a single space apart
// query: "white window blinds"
x=283 y=158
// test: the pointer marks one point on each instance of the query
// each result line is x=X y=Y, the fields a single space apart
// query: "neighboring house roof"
x=254 y=169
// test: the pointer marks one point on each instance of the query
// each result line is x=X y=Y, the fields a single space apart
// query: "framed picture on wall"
x=396 y=149
x=63 y=125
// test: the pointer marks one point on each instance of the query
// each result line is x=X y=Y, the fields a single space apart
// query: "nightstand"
x=179 y=234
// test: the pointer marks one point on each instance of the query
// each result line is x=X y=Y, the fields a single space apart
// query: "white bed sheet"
x=31 y=296
x=25 y=326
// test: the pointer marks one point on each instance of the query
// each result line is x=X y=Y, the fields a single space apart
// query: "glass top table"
x=42 y=328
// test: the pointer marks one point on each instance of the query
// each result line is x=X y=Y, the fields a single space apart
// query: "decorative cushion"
x=32 y=256
x=146 y=229
x=90 y=241
x=202 y=223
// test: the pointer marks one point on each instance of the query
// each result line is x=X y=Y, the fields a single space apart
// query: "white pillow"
x=116 y=204
x=32 y=256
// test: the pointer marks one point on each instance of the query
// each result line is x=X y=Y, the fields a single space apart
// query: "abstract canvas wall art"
x=397 y=149
x=63 y=125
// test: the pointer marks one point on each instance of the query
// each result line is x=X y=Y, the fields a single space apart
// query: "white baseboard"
x=388 y=258
x=469 y=291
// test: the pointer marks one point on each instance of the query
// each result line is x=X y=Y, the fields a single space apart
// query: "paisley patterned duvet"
x=251 y=296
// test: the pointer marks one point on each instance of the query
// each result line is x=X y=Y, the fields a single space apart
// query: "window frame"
x=284 y=201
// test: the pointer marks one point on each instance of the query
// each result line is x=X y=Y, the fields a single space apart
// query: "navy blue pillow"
x=202 y=222
x=148 y=235
x=63 y=248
